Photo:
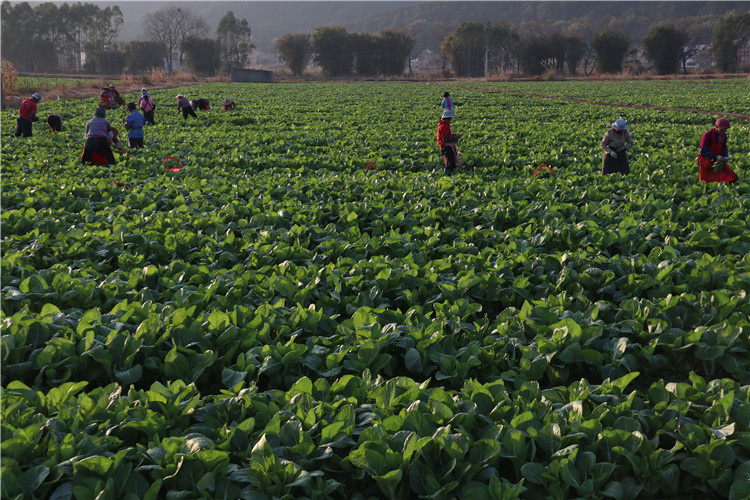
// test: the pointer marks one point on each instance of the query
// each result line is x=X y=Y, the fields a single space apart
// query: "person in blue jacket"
x=134 y=124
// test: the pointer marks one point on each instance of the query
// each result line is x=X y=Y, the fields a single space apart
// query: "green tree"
x=202 y=54
x=233 y=37
x=543 y=52
x=142 y=56
x=503 y=46
x=574 y=52
x=100 y=45
x=663 y=45
x=611 y=48
x=394 y=49
x=466 y=48
x=23 y=42
x=367 y=53
x=730 y=33
x=333 y=51
x=295 y=50
x=475 y=47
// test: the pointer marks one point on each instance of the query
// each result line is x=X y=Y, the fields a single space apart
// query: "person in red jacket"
x=27 y=115
x=714 y=155
x=447 y=142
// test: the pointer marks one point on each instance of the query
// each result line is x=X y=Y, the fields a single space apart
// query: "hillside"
x=269 y=20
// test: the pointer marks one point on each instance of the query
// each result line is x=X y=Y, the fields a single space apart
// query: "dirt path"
x=741 y=116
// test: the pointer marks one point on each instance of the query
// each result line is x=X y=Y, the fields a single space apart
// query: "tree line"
x=475 y=48
x=82 y=37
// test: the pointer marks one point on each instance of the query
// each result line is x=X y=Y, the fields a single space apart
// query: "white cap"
x=620 y=124
x=180 y=95
x=143 y=89
x=448 y=113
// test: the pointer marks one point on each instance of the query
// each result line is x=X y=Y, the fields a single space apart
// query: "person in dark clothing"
x=55 y=122
x=201 y=104
x=184 y=105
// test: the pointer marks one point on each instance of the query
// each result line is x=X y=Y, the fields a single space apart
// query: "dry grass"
x=98 y=83
x=157 y=75
x=183 y=76
x=127 y=79
x=9 y=77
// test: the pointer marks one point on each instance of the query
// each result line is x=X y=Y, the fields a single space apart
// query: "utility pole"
x=486 y=53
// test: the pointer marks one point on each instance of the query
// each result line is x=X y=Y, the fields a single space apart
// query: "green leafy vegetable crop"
x=272 y=321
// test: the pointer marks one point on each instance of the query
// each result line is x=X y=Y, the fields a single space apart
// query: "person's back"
x=97 y=127
x=134 y=123
x=146 y=103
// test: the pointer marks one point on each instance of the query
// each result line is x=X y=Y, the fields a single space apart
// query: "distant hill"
x=271 y=19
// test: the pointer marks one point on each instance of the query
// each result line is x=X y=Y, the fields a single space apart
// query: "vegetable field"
x=275 y=320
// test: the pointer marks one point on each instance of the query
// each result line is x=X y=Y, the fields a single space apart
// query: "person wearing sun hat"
x=184 y=105
x=118 y=98
x=615 y=143
x=96 y=149
x=714 y=155
x=148 y=106
x=446 y=139
x=108 y=99
x=27 y=115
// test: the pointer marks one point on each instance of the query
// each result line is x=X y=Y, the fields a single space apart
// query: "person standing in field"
x=714 y=155
x=27 y=115
x=148 y=106
x=446 y=139
x=96 y=149
x=134 y=123
x=184 y=105
x=447 y=103
x=615 y=143
x=55 y=122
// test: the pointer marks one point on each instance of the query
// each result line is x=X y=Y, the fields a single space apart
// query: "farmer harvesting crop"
x=27 y=115
x=96 y=150
x=228 y=104
x=201 y=104
x=714 y=155
x=184 y=105
x=134 y=123
x=148 y=106
x=114 y=140
x=108 y=99
x=55 y=122
x=447 y=142
x=615 y=143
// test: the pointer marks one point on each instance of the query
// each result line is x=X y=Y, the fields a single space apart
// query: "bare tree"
x=170 y=26
x=585 y=32
x=442 y=30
